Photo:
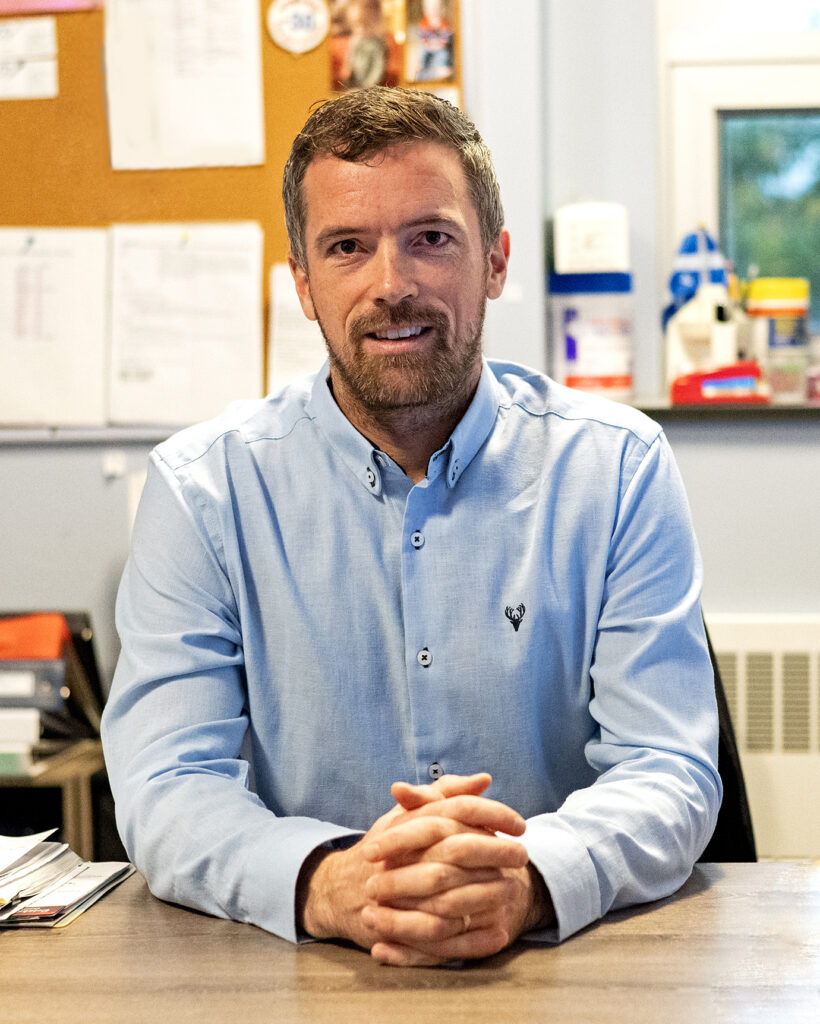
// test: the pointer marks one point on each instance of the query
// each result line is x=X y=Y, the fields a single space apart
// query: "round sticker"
x=298 y=25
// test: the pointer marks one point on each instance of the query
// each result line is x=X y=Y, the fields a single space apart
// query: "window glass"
x=770 y=195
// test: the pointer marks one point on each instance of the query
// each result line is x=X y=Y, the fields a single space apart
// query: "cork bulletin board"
x=55 y=158
x=55 y=164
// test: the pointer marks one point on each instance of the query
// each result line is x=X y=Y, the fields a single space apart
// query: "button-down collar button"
x=424 y=658
x=417 y=539
x=371 y=477
x=435 y=467
x=435 y=770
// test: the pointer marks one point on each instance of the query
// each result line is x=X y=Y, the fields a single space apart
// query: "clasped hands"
x=430 y=881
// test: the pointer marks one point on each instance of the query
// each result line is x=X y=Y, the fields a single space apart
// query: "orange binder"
x=37 y=637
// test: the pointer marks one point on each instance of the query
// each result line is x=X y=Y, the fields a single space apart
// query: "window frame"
x=700 y=76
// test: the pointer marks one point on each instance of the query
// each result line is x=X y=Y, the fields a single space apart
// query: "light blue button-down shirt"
x=301 y=626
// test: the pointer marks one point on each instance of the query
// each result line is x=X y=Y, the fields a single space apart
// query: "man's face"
x=397 y=277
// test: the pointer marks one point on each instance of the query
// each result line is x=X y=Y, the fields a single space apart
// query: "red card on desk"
x=33 y=637
x=40 y=913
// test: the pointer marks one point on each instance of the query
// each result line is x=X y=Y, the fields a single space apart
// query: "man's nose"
x=394 y=279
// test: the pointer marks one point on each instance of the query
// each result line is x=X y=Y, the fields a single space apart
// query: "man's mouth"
x=405 y=327
x=397 y=333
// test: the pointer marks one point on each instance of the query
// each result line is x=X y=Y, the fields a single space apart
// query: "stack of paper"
x=46 y=885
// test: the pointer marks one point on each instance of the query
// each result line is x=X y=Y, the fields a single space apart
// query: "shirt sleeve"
x=634 y=835
x=174 y=726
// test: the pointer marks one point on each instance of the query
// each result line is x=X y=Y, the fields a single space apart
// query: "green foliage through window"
x=770 y=195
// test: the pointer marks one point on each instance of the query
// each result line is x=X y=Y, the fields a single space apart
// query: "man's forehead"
x=427 y=174
x=389 y=157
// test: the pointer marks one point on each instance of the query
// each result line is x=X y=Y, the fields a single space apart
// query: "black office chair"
x=733 y=838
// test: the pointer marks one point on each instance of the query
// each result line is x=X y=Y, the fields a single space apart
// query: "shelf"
x=661 y=408
x=84 y=435
x=658 y=408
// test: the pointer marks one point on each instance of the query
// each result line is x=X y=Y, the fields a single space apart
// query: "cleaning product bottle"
x=778 y=309
x=592 y=332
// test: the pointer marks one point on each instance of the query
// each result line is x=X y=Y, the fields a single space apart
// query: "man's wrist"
x=310 y=904
x=541 y=913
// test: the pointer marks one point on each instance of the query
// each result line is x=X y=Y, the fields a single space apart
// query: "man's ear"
x=300 y=278
x=497 y=260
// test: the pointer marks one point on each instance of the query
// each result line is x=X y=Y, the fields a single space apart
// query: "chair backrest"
x=733 y=838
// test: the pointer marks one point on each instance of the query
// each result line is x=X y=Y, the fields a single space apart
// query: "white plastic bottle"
x=592 y=316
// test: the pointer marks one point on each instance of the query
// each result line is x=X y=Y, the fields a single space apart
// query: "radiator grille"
x=796 y=702
x=759 y=702
x=770 y=669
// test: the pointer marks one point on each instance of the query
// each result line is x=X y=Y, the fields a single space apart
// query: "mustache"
x=402 y=314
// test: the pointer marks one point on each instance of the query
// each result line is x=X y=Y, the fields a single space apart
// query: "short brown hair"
x=363 y=122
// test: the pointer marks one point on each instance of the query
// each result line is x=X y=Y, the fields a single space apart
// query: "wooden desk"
x=739 y=943
x=69 y=771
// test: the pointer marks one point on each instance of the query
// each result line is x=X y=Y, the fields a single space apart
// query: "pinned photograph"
x=430 y=47
x=364 y=48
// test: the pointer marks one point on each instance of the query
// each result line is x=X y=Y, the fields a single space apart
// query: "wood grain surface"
x=739 y=942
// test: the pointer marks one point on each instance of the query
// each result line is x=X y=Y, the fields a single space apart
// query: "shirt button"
x=435 y=770
x=424 y=658
x=371 y=477
x=417 y=539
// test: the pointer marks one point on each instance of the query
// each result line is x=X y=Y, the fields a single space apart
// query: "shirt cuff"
x=340 y=843
x=275 y=877
x=569 y=874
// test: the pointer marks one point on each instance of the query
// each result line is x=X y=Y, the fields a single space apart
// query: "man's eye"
x=434 y=237
x=346 y=247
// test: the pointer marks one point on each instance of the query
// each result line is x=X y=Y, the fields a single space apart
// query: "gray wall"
x=601 y=139
x=754 y=490
x=503 y=69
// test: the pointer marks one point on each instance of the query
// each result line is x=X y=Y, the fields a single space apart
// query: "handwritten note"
x=184 y=81
x=28 y=58
x=52 y=325
x=186 y=320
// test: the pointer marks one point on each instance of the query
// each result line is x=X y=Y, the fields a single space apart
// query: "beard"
x=436 y=377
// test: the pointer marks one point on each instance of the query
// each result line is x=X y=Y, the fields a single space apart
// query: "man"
x=418 y=567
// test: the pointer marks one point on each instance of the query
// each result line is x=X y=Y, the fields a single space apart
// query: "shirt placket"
x=425 y=652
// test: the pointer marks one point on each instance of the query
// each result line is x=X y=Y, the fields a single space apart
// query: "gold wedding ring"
x=466 y=927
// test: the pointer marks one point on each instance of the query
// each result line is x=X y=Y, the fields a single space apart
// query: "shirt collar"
x=353 y=448
x=369 y=465
x=471 y=431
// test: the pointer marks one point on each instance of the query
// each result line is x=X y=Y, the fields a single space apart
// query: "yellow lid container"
x=778 y=296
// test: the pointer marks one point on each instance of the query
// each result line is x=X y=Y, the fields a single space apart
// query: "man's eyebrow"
x=440 y=217
x=351 y=231
x=337 y=232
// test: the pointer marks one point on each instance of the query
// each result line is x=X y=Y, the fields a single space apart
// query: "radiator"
x=770 y=667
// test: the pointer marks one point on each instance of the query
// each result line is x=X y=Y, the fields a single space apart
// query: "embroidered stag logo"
x=515 y=615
